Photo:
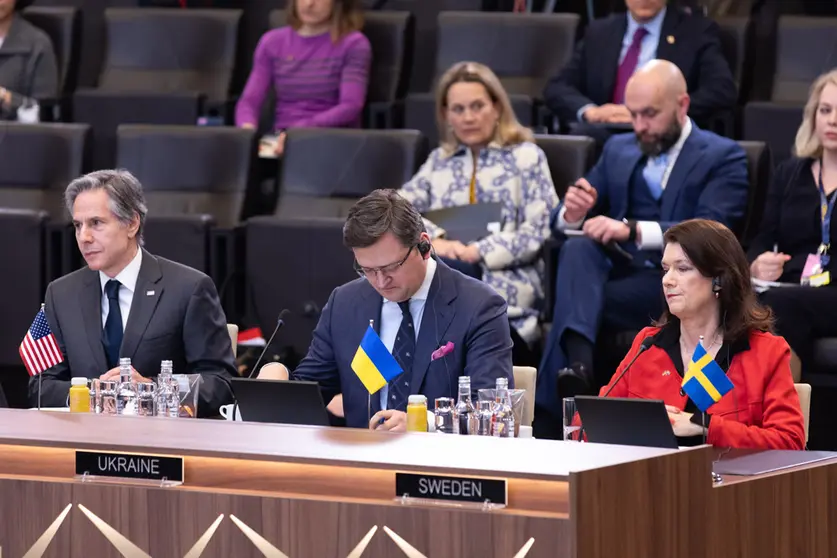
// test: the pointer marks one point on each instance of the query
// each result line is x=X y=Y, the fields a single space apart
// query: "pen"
x=775 y=247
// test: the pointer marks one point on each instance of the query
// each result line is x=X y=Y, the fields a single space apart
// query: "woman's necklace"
x=716 y=341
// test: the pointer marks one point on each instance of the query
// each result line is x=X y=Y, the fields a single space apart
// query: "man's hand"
x=607 y=113
x=273 y=371
x=682 y=423
x=579 y=199
x=769 y=266
x=394 y=421
x=113 y=374
x=618 y=114
x=448 y=248
x=605 y=230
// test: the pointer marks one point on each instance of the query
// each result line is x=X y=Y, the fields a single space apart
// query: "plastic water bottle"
x=168 y=393
x=126 y=397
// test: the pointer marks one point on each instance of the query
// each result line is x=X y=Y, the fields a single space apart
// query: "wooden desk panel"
x=316 y=492
x=166 y=522
x=786 y=514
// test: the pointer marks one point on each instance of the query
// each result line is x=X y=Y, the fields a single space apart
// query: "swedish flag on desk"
x=373 y=363
x=705 y=382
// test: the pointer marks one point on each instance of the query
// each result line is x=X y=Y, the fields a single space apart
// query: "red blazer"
x=761 y=411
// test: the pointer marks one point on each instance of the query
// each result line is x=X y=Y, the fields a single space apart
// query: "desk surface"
x=520 y=458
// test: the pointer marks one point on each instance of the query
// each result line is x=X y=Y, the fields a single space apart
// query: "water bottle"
x=126 y=397
x=168 y=392
x=465 y=416
x=502 y=420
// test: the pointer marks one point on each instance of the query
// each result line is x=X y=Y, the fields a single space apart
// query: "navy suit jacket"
x=458 y=309
x=590 y=76
x=708 y=181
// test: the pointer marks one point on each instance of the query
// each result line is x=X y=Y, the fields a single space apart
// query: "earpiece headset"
x=424 y=248
x=716 y=285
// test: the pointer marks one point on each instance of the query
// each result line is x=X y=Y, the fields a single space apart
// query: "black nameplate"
x=130 y=466
x=457 y=489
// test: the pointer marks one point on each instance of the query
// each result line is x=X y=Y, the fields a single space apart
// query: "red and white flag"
x=39 y=350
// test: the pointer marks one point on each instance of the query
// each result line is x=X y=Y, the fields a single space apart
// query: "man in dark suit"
x=418 y=304
x=128 y=303
x=667 y=171
x=588 y=94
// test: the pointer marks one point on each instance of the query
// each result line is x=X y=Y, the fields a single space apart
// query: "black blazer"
x=175 y=315
x=590 y=76
x=791 y=218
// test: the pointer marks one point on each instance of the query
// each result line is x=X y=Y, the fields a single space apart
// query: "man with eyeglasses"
x=417 y=305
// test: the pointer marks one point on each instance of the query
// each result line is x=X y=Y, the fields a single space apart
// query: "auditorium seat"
x=324 y=171
x=390 y=35
x=194 y=178
x=426 y=14
x=297 y=273
x=774 y=124
x=24 y=282
x=93 y=35
x=760 y=171
x=162 y=66
x=523 y=50
x=37 y=161
x=805 y=48
x=733 y=35
x=569 y=157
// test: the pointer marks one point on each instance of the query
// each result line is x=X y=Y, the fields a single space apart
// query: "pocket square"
x=442 y=351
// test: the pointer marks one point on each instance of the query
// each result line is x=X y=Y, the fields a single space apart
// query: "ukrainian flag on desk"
x=373 y=363
x=705 y=382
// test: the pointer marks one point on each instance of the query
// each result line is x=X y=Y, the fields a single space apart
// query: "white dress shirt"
x=391 y=317
x=128 y=279
x=650 y=232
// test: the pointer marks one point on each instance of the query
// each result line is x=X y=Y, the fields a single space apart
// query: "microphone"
x=279 y=323
x=647 y=343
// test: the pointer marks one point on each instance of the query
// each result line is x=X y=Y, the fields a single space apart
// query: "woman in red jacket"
x=707 y=288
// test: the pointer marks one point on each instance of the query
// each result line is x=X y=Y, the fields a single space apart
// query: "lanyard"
x=826 y=209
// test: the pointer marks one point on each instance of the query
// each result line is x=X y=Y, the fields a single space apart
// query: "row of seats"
x=166 y=66
x=197 y=182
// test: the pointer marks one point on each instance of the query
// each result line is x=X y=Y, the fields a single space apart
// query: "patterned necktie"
x=403 y=350
x=112 y=332
x=628 y=66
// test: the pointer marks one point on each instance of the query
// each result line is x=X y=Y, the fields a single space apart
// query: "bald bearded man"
x=667 y=171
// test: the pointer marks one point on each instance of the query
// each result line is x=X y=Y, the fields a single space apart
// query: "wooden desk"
x=317 y=491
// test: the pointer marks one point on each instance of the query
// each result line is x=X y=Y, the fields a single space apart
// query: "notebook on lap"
x=468 y=223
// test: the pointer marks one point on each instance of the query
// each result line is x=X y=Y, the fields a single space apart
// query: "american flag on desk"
x=39 y=350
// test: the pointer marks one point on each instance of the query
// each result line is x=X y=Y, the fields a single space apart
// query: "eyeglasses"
x=370 y=272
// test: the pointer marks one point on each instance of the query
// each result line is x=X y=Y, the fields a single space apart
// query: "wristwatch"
x=632 y=227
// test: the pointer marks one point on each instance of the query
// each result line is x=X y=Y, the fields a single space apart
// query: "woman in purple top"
x=318 y=66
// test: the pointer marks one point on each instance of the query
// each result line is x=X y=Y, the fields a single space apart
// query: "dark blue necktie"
x=112 y=333
x=403 y=350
